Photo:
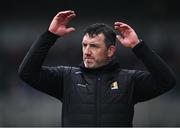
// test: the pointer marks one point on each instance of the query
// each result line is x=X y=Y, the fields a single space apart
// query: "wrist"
x=137 y=42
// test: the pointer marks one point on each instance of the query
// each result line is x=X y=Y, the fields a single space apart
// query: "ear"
x=111 y=51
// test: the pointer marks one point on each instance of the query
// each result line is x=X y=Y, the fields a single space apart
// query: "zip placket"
x=98 y=101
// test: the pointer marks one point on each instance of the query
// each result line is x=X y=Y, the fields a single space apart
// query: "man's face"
x=95 y=52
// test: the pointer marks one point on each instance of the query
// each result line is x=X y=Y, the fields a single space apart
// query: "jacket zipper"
x=98 y=96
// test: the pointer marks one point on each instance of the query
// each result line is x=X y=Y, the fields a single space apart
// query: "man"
x=98 y=92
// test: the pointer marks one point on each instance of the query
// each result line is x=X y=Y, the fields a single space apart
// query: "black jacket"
x=96 y=97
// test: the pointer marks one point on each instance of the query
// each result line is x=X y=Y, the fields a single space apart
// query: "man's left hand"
x=129 y=37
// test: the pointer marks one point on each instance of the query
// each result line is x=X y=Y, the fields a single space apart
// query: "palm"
x=59 y=24
x=129 y=37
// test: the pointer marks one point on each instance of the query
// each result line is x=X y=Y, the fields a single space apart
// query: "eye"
x=84 y=45
x=94 y=46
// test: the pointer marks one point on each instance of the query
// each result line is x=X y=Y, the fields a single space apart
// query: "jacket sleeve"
x=159 y=78
x=45 y=79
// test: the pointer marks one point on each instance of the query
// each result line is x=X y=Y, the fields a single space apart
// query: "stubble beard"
x=92 y=64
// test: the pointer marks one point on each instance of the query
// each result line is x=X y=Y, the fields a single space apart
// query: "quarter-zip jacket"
x=96 y=97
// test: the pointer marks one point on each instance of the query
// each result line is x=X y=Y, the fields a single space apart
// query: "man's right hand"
x=59 y=23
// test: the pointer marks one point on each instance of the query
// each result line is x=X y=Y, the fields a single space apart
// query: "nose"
x=87 y=50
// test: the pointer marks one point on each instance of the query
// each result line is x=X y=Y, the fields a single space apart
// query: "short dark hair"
x=97 y=28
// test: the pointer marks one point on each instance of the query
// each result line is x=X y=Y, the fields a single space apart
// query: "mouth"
x=88 y=58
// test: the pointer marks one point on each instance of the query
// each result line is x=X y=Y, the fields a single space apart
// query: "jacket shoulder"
x=126 y=71
x=67 y=69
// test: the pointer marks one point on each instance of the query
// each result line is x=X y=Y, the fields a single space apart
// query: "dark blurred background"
x=157 y=22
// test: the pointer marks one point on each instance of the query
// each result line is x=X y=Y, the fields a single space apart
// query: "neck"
x=110 y=65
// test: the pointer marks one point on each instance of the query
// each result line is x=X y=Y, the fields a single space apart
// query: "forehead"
x=93 y=39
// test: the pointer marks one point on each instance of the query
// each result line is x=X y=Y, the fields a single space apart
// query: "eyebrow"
x=90 y=43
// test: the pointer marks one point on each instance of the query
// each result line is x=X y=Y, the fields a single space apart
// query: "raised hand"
x=129 y=37
x=59 y=24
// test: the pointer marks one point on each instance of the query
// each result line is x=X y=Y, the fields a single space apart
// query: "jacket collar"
x=112 y=65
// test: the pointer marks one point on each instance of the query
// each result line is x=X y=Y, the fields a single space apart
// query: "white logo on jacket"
x=114 y=85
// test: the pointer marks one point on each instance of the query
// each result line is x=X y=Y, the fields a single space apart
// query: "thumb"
x=71 y=29
x=119 y=38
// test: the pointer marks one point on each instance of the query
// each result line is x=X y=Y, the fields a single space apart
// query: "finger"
x=123 y=26
x=121 y=29
x=120 y=38
x=118 y=23
x=71 y=16
x=65 y=13
x=71 y=29
x=116 y=27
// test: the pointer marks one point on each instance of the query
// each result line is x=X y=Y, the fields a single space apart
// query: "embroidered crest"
x=114 y=85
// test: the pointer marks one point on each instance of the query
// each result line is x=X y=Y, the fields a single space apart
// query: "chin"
x=89 y=66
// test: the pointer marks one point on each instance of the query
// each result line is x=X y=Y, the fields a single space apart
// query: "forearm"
x=155 y=65
x=32 y=62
